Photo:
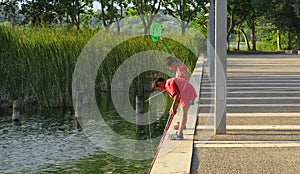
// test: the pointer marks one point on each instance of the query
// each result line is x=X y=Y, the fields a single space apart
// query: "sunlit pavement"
x=263 y=118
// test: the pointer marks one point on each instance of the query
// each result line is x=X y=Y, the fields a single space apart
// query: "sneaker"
x=176 y=137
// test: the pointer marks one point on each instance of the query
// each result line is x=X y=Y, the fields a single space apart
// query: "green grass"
x=37 y=64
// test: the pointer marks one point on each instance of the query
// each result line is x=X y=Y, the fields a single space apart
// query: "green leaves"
x=38 y=63
x=184 y=11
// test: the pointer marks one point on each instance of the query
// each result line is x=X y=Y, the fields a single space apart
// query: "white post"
x=211 y=40
x=220 y=66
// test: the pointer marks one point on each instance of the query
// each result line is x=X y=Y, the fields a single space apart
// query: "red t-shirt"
x=179 y=85
x=179 y=70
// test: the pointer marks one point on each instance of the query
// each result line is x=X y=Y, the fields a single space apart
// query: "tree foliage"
x=284 y=15
x=9 y=10
x=112 y=11
x=39 y=12
x=184 y=10
x=243 y=15
x=146 y=10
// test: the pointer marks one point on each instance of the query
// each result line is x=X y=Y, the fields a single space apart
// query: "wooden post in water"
x=16 y=113
x=79 y=110
x=139 y=113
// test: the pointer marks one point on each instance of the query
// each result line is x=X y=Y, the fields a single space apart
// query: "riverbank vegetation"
x=41 y=41
x=37 y=63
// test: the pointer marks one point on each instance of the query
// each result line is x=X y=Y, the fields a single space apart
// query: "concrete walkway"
x=263 y=121
x=263 y=118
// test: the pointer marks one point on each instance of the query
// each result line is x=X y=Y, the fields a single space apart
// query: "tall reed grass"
x=37 y=64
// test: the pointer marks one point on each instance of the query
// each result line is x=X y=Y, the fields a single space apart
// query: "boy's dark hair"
x=155 y=80
x=169 y=60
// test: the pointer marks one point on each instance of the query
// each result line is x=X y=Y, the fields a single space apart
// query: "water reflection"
x=48 y=142
x=40 y=142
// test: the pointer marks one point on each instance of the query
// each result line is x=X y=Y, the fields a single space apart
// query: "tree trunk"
x=228 y=42
x=147 y=25
x=77 y=14
x=278 y=40
x=67 y=18
x=146 y=29
x=183 y=28
x=254 y=38
x=78 y=19
x=239 y=38
x=143 y=19
x=228 y=45
x=246 y=39
x=118 y=27
x=229 y=32
x=107 y=27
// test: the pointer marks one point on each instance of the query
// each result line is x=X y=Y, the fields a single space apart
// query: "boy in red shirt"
x=179 y=68
x=181 y=72
x=182 y=93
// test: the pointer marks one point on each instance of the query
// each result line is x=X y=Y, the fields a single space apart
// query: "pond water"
x=47 y=142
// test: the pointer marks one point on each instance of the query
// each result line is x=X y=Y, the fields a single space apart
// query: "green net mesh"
x=155 y=31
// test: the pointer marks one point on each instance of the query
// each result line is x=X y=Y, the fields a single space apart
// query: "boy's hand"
x=173 y=110
x=175 y=103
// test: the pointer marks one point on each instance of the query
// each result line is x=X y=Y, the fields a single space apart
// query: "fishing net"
x=155 y=31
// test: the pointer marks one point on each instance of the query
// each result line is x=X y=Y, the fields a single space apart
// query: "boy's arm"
x=175 y=104
x=185 y=72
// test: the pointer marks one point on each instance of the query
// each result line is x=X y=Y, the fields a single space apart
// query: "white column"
x=220 y=66
x=211 y=40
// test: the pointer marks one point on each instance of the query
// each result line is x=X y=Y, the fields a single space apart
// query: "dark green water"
x=47 y=142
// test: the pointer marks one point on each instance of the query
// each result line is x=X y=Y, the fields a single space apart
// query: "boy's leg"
x=176 y=126
x=184 y=110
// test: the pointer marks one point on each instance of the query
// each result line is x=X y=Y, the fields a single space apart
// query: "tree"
x=251 y=21
x=200 y=22
x=37 y=11
x=74 y=9
x=9 y=9
x=107 y=12
x=238 y=12
x=184 y=11
x=146 y=10
x=52 y=11
x=297 y=12
x=112 y=11
x=122 y=6
x=285 y=15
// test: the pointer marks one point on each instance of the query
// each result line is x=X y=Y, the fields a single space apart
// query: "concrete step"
x=255 y=119
x=254 y=102
x=246 y=144
x=248 y=94
x=252 y=109
x=251 y=133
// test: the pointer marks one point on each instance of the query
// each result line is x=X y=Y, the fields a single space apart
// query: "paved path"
x=263 y=119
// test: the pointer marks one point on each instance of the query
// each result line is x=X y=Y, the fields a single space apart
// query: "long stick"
x=161 y=38
x=150 y=98
x=161 y=141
